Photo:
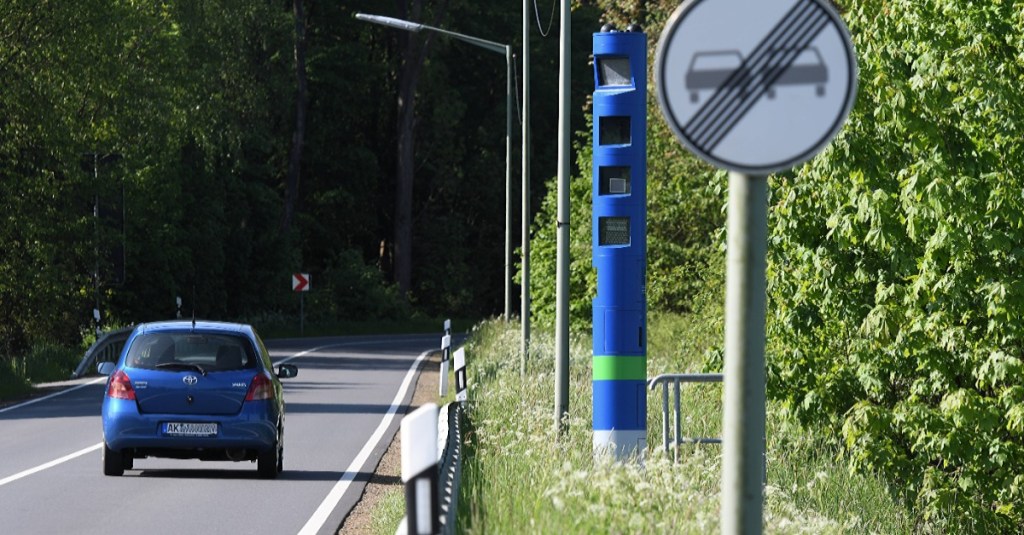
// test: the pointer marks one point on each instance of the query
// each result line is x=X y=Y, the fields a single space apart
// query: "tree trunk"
x=301 y=105
x=413 y=51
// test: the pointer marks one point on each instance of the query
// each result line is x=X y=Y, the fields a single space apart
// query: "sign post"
x=300 y=284
x=755 y=87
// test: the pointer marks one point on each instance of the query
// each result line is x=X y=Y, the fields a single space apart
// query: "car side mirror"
x=105 y=368
x=287 y=371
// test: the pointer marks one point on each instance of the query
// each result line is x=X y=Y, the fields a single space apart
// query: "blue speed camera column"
x=620 y=241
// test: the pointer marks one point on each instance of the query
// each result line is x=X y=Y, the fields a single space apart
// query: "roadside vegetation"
x=520 y=477
x=45 y=363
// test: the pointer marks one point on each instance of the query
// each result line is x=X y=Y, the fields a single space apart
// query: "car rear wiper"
x=185 y=365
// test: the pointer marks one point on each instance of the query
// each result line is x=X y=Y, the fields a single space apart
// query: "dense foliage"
x=896 y=262
x=176 y=122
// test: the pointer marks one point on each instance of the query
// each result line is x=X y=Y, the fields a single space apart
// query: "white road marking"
x=331 y=501
x=50 y=464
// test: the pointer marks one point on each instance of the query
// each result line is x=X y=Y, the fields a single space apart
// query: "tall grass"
x=520 y=476
x=44 y=363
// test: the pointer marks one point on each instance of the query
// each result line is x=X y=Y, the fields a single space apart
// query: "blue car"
x=194 y=390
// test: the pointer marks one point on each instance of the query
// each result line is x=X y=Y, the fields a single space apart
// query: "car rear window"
x=171 y=351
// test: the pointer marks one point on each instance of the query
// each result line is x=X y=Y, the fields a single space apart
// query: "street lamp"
x=416 y=27
x=96 y=160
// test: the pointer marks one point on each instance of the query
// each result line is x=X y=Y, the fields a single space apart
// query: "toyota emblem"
x=190 y=380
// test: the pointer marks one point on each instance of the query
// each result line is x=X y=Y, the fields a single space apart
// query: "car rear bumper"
x=254 y=427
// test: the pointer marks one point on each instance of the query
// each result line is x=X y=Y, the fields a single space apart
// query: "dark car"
x=194 y=390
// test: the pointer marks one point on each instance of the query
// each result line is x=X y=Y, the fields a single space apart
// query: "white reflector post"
x=419 y=470
x=446 y=352
x=460 y=375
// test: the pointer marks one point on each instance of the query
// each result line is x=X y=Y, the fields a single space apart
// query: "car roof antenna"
x=193 y=306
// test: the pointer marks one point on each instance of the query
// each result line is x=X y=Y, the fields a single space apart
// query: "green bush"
x=49 y=362
x=349 y=289
x=45 y=362
x=12 y=381
x=896 y=265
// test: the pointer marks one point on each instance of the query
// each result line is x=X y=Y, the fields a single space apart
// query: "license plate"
x=189 y=429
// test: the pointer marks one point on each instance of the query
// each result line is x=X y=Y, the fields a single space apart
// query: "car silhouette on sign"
x=711 y=69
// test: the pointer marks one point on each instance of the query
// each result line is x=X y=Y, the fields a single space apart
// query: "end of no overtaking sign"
x=755 y=86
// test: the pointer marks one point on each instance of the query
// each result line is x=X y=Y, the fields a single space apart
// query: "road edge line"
x=327 y=506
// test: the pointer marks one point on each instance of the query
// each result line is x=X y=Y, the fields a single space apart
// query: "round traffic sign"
x=755 y=86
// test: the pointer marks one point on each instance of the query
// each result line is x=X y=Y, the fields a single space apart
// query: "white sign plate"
x=300 y=282
x=755 y=86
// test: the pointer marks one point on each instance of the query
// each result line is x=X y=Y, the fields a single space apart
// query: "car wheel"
x=268 y=463
x=113 y=462
x=127 y=459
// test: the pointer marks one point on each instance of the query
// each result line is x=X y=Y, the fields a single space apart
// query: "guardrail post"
x=420 y=471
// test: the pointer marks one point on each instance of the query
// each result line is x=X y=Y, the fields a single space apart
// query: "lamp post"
x=96 y=160
x=506 y=50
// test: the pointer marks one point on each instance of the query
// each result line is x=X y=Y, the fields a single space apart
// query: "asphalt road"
x=343 y=409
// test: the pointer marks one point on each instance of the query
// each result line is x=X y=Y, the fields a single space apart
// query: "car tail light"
x=121 y=386
x=261 y=387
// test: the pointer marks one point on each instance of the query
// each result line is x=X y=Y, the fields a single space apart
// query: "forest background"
x=207 y=150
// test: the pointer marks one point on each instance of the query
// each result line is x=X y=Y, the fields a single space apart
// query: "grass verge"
x=521 y=477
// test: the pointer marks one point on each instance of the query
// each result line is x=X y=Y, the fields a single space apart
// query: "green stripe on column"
x=620 y=368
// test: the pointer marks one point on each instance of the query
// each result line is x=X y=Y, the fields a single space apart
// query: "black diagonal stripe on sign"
x=762 y=68
x=732 y=93
x=796 y=30
x=731 y=89
x=767 y=77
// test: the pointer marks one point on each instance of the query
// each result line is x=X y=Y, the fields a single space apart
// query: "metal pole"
x=744 y=419
x=562 y=241
x=509 y=95
x=96 y=236
x=524 y=312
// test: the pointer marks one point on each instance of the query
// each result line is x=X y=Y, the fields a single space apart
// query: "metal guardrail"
x=676 y=379
x=106 y=349
x=450 y=467
x=446 y=451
